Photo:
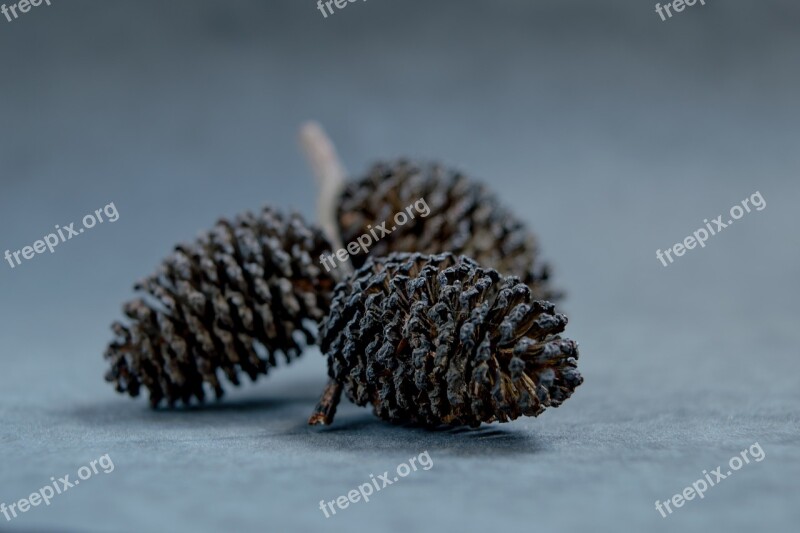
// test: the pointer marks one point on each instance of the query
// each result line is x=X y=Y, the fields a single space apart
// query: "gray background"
x=612 y=133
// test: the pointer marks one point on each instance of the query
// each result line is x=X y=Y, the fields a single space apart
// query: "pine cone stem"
x=330 y=177
x=326 y=408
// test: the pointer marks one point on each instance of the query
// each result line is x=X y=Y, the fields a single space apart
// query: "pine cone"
x=465 y=219
x=439 y=340
x=228 y=302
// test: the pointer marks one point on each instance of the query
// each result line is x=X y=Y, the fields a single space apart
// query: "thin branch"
x=326 y=408
x=330 y=177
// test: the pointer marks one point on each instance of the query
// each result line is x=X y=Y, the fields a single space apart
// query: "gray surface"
x=612 y=133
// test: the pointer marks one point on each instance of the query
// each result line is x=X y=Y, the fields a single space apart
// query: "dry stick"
x=326 y=408
x=330 y=176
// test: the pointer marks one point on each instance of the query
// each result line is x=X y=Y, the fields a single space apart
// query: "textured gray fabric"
x=612 y=133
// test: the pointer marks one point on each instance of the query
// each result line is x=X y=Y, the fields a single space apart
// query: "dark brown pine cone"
x=228 y=302
x=439 y=340
x=465 y=219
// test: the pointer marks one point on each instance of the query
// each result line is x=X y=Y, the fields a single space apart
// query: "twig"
x=326 y=408
x=330 y=176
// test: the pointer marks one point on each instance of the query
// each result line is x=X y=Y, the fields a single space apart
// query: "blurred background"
x=612 y=133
